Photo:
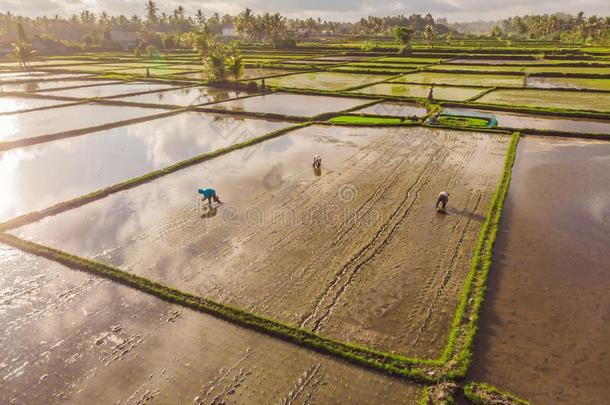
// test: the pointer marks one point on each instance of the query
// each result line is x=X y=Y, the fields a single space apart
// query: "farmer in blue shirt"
x=209 y=194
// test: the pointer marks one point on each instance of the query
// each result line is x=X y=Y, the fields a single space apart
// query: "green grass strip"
x=485 y=394
x=350 y=352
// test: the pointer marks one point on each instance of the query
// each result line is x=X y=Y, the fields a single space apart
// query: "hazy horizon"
x=339 y=10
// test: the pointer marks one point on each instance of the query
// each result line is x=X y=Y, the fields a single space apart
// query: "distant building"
x=5 y=50
x=127 y=39
x=303 y=32
x=229 y=32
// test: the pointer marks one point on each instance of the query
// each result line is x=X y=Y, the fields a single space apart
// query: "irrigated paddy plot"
x=305 y=249
x=187 y=96
x=33 y=86
x=109 y=90
x=462 y=79
x=544 y=328
x=10 y=104
x=324 y=80
x=568 y=83
x=322 y=254
x=291 y=104
x=104 y=158
x=568 y=100
x=394 y=109
x=58 y=120
x=452 y=93
x=74 y=337
x=573 y=125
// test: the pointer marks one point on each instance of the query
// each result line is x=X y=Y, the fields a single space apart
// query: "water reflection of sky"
x=185 y=97
x=112 y=226
x=292 y=104
x=61 y=119
x=12 y=104
x=109 y=90
x=42 y=175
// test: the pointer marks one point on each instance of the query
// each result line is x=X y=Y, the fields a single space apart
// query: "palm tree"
x=24 y=53
x=403 y=34
x=429 y=35
x=236 y=67
x=245 y=23
x=151 y=11
x=215 y=65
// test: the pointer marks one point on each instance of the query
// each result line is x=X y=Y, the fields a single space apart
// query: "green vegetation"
x=485 y=394
x=453 y=93
x=568 y=100
x=462 y=79
x=456 y=121
x=365 y=120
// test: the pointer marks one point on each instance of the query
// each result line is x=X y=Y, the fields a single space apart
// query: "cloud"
x=343 y=10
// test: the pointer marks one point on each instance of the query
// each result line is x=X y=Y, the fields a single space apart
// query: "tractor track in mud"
x=353 y=265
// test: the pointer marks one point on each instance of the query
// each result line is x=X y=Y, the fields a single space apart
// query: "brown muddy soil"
x=358 y=253
x=68 y=337
x=545 y=326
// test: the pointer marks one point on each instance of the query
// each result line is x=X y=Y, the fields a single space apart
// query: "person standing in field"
x=442 y=200
x=431 y=94
x=210 y=194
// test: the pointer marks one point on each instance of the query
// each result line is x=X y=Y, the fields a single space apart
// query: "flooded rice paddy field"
x=355 y=252
x=451 y=93
x=324 y=80
x=57 y=120
x=188 y=96
x=292 y=104
x=545 y=325
x=363 y=237
x=568 y=83
x=569 y=100
x=74 y=338
x=462 y=79
x=33 y=86
x=256 y=73
x=109 y=90
x=572 y=125
x=394 y=108
x=101 y=159
x=11 y=104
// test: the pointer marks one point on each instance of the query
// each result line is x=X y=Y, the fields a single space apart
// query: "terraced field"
x=122 y=285
x=568 y=100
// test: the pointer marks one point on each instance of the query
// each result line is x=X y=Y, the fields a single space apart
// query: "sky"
x=338 y=10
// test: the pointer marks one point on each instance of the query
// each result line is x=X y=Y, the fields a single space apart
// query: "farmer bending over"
x=210 y=194
x=443 y=199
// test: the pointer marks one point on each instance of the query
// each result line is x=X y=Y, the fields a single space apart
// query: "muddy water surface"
x=61 y=119
x=109 y=90
x=531 y=121
x=185 y=97
x=68 y=337
x=312 y=249
x=545 y=327
x=292 y=104
x=10 y=104
x=32 y=86
x=395 y=109
x=42 y=175
x=415 y=90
